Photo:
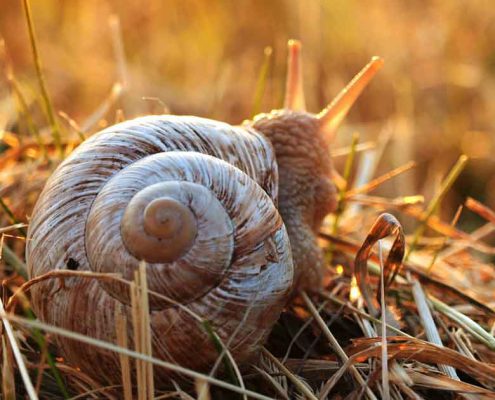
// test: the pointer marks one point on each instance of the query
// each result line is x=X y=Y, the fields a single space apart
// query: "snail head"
x=301 y=141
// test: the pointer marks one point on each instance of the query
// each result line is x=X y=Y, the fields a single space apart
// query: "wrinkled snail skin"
x=306 y=193
x=237 y=274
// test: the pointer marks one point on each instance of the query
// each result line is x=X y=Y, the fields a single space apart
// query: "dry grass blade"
x=112 y=277
x=385 y=225
x=118 y=49
x=293 y=341
x=344 y=151
x=416 y=349
x=380 y=180
x=12 y=227
x=452 y=385
x=28 y=385
x=275 y=385
x=136 y=325
x=142 y=333
x=319 y=368
x=335 y=344
x=362 y=314
x=475 y=236
x=301 y=386
x=429 y=324
x=329 y=385
x=8 y=382
x=275 y=374
x=368 y=164
x=401 y=203
x=174 y=395
x=73 y=125
x=463 y=344
x=146 y=328
x=436 y=224
x=181 y=394
x=480 y=209
x=104 y=107
x=96 y=393
x=202 y=389
x=122 y=341
x=57 y=275
x=385 y=373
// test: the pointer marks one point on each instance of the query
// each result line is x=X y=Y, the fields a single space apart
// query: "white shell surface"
x=245 y=299
x=233 y=230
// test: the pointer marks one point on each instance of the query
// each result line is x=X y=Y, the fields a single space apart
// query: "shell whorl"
x=228 y=261
x=158 y=224
x=226 y=208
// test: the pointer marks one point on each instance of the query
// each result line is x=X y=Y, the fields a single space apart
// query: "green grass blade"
x=229 y=369
x=41 y=80
x=262 y=79
x=436 y=200
x=342 y=191
x=15 y=262
x=11 y=216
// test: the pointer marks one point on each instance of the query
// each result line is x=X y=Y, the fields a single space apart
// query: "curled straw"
x=385 y=225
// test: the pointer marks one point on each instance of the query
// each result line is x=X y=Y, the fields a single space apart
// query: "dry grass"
x=101 y=62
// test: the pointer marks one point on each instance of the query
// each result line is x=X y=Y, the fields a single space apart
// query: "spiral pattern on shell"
x=194 y=199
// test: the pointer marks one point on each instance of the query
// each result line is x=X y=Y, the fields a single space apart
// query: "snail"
x=224 y=217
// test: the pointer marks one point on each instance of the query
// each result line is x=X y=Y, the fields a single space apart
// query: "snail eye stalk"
x=331 y=116
x=294 y=90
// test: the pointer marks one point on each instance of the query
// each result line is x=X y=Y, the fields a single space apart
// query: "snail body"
x=225 y=218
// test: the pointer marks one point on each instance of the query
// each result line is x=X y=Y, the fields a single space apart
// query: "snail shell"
x=198 y=201
x=223 y=251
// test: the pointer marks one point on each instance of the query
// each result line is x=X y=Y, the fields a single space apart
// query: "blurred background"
x=434 y=99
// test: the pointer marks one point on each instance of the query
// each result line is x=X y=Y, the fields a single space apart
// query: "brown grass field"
x=426 y=127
